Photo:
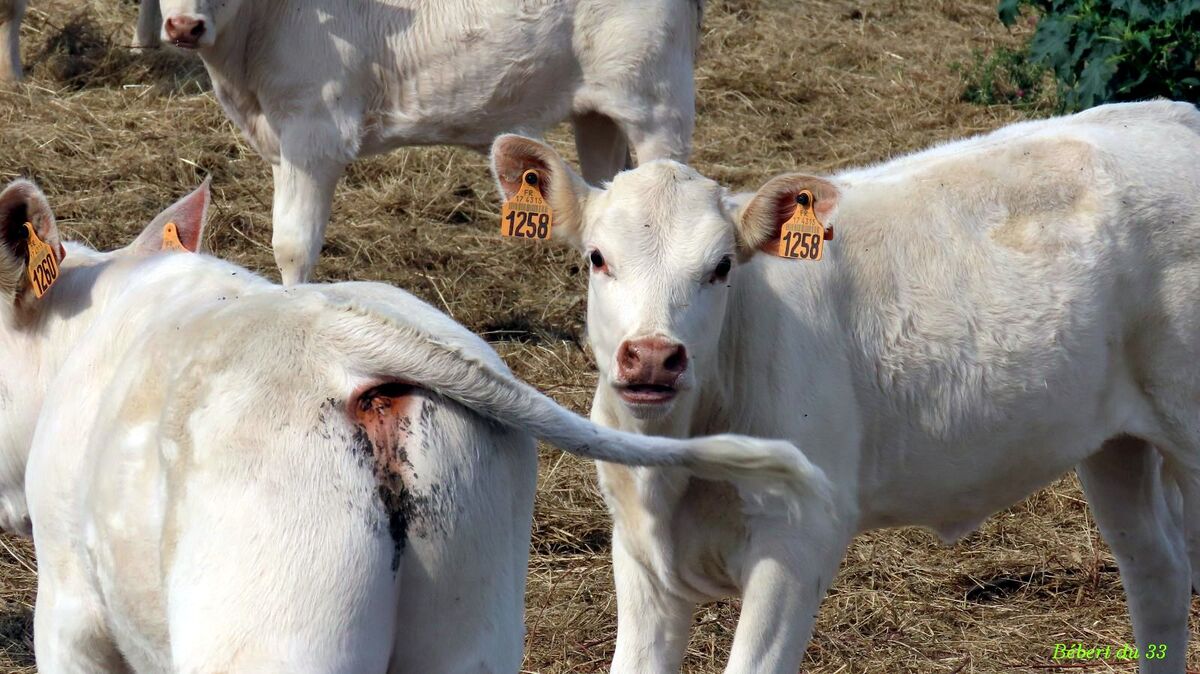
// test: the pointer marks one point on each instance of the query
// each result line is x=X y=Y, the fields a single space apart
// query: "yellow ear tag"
x=803 y=236
x=527 y=215
x=170 y=237
x=43 y=267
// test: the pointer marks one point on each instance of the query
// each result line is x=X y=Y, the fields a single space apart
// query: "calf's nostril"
x=197 y=30
x=676 y=361
x=627 y=357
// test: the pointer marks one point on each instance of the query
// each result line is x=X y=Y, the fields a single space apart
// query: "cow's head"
x=23 y=207
x=194 y=24
x=663 y=244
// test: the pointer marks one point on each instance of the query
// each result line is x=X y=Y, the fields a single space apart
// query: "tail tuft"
x=760 y=468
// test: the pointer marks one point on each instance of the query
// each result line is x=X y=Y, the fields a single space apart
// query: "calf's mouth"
x=646 y=394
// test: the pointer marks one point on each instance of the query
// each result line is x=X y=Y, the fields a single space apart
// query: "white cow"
x=228 y=476
x=315 y=84
x=13 y=11
x=990 y=314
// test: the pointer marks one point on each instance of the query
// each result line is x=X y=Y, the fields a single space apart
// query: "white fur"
x=315 y=84
x=990 y=314
x=200 y=498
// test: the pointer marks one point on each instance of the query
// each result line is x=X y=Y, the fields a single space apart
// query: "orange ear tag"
x=170 y=237
x=803 y=236
x=527 y=215
x=43 y=267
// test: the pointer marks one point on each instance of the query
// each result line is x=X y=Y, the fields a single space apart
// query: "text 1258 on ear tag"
x=527 y=215
x=802 y=236
x=43 y=266
x=170 y=237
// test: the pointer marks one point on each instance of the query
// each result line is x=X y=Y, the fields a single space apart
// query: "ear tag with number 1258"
x=527 y=215
x=803 y=237
x=43 y=267
x=170 y=237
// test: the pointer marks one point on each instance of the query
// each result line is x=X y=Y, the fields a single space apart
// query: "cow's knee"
x=295 y=258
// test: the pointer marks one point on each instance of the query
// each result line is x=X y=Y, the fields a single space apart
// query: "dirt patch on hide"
x=113 y=136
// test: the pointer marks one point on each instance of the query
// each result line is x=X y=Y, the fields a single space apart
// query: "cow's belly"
x=951 y=486
x=463 y=102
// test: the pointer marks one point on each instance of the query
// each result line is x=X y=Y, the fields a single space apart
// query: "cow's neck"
x=240 y=43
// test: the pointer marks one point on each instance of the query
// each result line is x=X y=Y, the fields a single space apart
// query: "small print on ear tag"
x=43 y=268
x=170 y=237
x=803 y=236
x=527 y=215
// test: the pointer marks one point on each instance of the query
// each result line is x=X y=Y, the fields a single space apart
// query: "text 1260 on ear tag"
x=43 y=267
x=170 y=237
x=527 y=215
x=802 y=236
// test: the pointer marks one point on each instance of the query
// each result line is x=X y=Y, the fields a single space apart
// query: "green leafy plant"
x=1005 y=77
x=1115 y=50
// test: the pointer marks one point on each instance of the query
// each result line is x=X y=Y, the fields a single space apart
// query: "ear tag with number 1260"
x=43 y=267
x=527 y=215
x=803 y=237
x=170 y=237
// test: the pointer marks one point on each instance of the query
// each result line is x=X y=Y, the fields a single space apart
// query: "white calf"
x=990 y=314
x=315 y=84
x=228 y=476
x=12 y=11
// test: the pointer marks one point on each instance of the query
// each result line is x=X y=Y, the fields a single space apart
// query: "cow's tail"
x=445 y=358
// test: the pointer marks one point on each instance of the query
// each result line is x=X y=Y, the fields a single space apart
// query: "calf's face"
x=193 y=24
x=663 y=245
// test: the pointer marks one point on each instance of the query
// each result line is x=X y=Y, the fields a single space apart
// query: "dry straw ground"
x=114 y=135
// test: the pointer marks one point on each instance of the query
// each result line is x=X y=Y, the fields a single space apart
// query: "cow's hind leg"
x=1124 y=488
x=149 y=25
x=602 y=146
x=1191 y=524
x=69 y=633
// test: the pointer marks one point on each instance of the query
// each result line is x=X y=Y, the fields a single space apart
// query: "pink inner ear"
x=23 y=202
x=188 y=215
x=513 y=158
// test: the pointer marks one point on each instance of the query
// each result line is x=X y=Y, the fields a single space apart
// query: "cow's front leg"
x=304 y=187
x=149 y=25
x=787 y=568
x=11 y=14
x=652 y=624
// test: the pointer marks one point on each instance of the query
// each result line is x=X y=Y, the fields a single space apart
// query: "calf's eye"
x=722 y=270
x=597 y=260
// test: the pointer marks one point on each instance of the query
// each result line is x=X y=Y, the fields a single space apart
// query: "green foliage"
x=1007 y=77
x=1115 y=50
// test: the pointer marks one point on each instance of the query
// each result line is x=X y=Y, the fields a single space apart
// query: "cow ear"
x=563 y=189
x=188 y=215
x=760 y=218
x=20 y=203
